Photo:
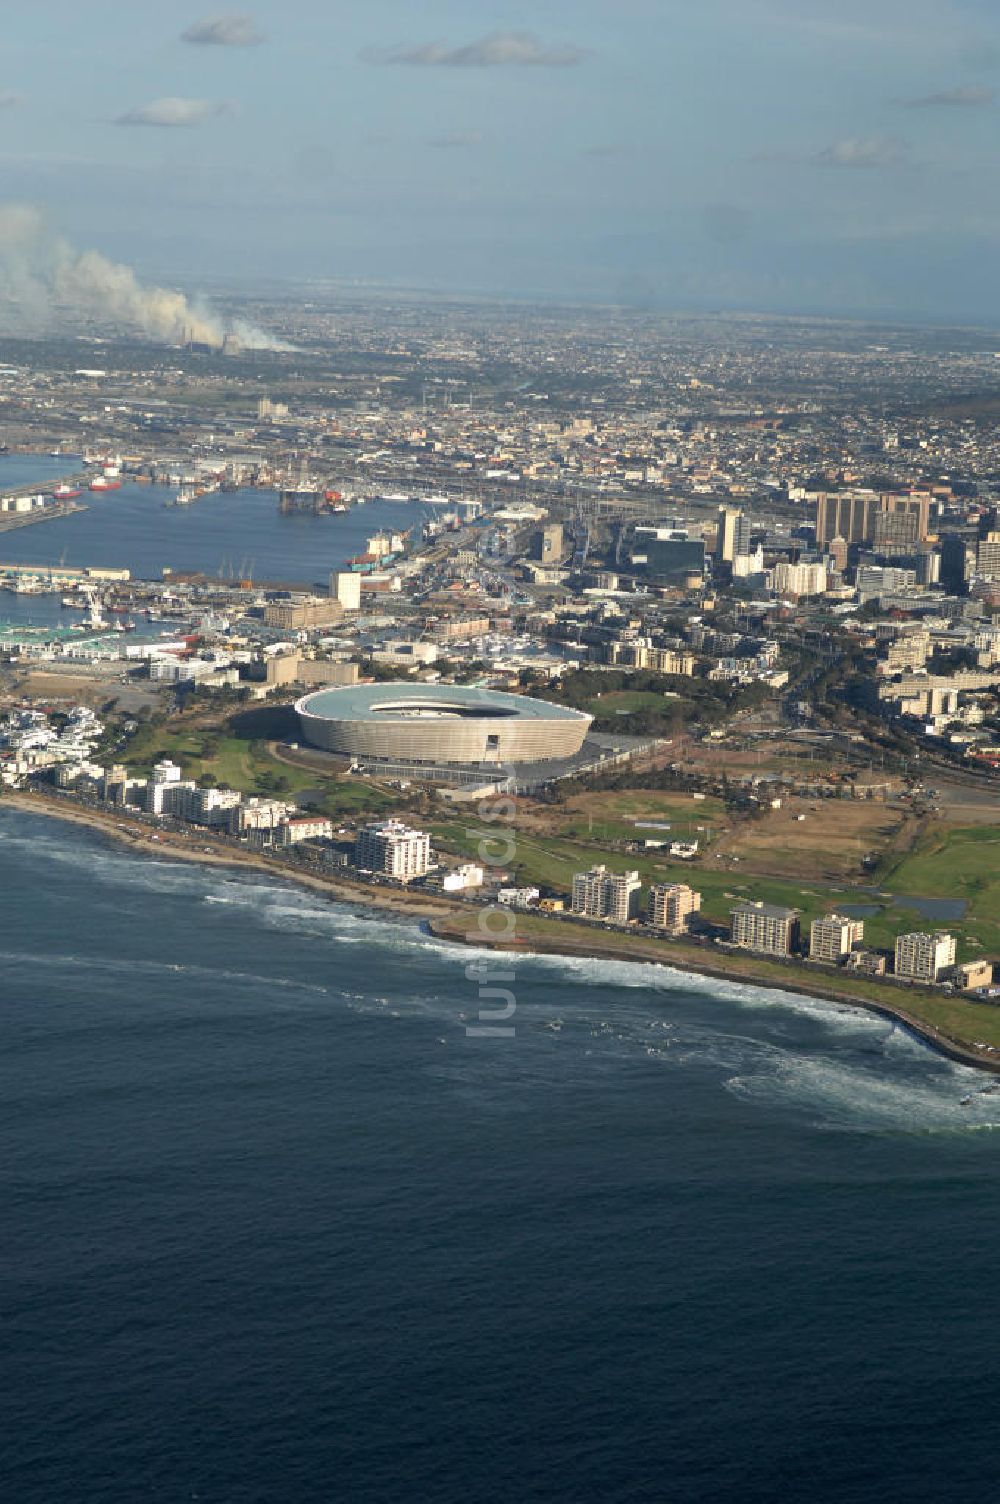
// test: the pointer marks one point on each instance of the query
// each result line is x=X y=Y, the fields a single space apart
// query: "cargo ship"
x=65 y=493
x=104 y=483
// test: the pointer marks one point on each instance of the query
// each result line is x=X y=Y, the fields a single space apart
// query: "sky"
x=795 y=156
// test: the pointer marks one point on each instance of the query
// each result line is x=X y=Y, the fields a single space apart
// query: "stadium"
x=447 y=724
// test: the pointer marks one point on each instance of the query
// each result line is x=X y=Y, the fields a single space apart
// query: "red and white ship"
x=105 y=483
x=65 y=493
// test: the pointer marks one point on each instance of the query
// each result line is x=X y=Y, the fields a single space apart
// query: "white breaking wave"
x=132 y=966
x=848 y=1095
x=871 y=1076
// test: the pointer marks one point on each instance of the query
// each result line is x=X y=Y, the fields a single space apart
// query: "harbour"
x=232 y=535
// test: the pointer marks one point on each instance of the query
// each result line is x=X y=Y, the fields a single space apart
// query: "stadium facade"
x=445 y=724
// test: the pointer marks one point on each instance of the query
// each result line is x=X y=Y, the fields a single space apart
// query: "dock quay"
x=59 y=574
x=48 y=513
x=23 y=505
x=77 y=480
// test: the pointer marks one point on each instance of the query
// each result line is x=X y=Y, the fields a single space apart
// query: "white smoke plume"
x=45 y=281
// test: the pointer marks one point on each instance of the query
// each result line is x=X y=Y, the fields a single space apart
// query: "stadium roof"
x=404 y=699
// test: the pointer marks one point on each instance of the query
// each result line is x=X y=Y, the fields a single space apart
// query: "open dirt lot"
x=830 y=842
x=83 y=689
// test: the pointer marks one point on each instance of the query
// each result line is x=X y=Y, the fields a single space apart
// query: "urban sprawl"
x=749 y=568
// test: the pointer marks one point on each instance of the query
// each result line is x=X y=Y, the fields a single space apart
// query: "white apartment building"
x=258 y=819
x=166 y=791
x=208 y=806
x=518 y=898
x=406 y=654
x=764 y=927
x=800 y=579
x=600 y=894
x=922 y=957
x=873 y=580
x=305 y=828
x=745 y=565
x=906 y=654
x=170 y=670
x=640 y=653
x=393 y=848
x=667 y=661
x=70 y=773
x=671 y=906
x=834 y=936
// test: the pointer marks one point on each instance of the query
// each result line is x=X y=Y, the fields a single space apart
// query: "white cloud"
x=223 y=31
x=861 y=152
x=501 y=49
x=172 y=112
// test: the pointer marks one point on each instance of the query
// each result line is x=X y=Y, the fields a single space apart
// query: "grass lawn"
x=954 y=862
x=243 y=762
x=235 y=761
x=962 y=863
x=348 y=798
x=611 y=816
x=625 y=701
x=550 y=862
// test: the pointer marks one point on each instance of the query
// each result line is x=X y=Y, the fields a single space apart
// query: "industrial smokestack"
x=44 y=279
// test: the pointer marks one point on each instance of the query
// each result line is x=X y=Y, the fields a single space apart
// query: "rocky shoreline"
x=452 y=922
x=569 y=944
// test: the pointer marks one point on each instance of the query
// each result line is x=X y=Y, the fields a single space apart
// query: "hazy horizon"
x=773 y=156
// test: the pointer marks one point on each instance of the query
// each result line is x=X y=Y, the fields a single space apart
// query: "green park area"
x=953 y=862
x=635 y=814
x=549 y=863
x=950 y=863
x=624 y=702
x=774 y=857
x=236 y=754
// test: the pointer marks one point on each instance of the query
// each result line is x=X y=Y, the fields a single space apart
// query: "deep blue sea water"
x=227 y=534
x=275 y=1228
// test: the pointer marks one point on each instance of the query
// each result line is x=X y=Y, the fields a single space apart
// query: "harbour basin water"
x=225 y=534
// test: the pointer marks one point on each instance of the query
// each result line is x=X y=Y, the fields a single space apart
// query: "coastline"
x=684 y=962
x=452 y=922
x=202 y=849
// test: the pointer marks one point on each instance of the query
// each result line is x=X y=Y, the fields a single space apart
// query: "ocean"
x=277 y=1228
x=228 y=534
